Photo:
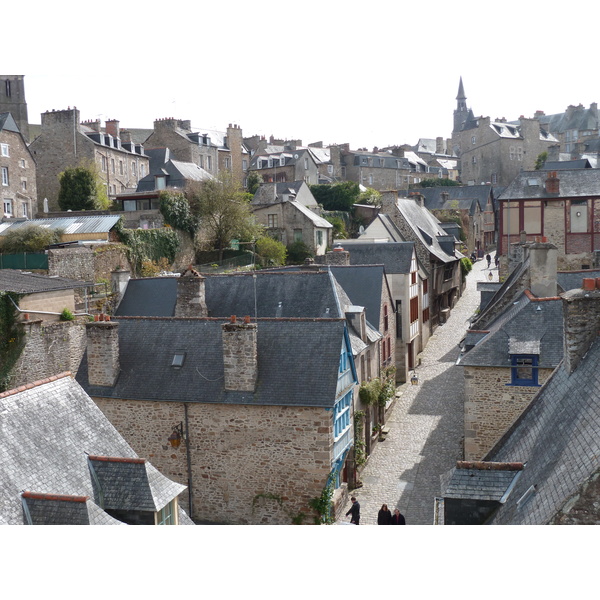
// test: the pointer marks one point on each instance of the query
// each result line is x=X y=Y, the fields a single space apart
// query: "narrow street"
x=426 y=424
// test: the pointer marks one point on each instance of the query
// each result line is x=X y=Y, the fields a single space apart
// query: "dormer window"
x=524 y=369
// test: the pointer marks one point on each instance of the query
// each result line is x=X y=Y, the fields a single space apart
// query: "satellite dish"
x=361 y=230
x=296 y=156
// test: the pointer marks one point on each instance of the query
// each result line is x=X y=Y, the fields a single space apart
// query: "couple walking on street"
x=385 y=517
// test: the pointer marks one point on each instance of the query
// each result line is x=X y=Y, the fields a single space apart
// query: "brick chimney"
x=552 y=183
x=581 y=314
x=542 y=273
x=240 y=356
x=112 y=127
x=191 y=295
x=103 y=352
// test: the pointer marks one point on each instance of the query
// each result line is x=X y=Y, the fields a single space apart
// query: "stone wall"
x=250 y=464
x=492 y=406
x=50 y=348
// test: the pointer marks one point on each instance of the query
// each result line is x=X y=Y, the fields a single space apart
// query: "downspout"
x=189 y=459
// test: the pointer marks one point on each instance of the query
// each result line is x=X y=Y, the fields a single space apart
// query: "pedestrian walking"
x=489 y=259
x=398 y=518
x=354 y=511
x=384 y=516
x=496 y=260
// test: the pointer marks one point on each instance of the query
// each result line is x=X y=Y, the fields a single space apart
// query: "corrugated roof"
x=69 y=225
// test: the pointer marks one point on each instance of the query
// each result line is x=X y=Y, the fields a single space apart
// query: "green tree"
x=339 y=227
x=337 y=196
x=540 y=160
x=297 y=252
x=82 y=188
x=254 y=181
x=223 y=211
x=427 y=183
x=175 y=209
x=369 y=196
x=270 y=251
x=29 y=238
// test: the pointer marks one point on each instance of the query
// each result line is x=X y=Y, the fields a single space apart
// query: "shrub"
x=270 y=251
x=30 y=238
x=297 y=253
x=66 y=315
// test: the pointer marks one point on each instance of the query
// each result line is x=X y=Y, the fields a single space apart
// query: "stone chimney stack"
x=542 y=274
x=103 y=352
x=581 y=314
x=338 y=257
x=388 y=201
x=240 y=355
x=552 y=183
x=191 y=295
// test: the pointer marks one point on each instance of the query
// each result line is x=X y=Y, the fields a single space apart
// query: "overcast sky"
x=313 y=70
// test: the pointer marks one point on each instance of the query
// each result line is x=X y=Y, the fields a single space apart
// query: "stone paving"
x=426 y=424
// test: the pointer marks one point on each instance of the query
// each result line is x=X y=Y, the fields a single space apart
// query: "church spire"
x=461 y=112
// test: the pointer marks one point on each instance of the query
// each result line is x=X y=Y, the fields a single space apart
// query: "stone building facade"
x=226 y=445
x=12 y=100
x=492 y=406
x=18 y=191
x=66 y=142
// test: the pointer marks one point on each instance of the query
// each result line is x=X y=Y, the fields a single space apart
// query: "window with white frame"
x=209 y=163
x=25 y=210
x=22 y=163
x=168 y=514
x=271 y=221
x=4 y=171
x=24 y=184
x=330 y=169
x=244 y=164
x=7 y=207
x=4 y=150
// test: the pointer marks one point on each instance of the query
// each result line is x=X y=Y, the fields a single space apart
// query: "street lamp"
x=414 y=380
x=177 y=435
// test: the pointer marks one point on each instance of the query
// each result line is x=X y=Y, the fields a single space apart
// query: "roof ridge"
x=118 y=459
x=29 y=386
x=61 y=497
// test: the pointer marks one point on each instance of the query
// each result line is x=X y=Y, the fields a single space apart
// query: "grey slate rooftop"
x=529 y=326
x=298 y=362
x=394 y=256
x=478 y=482
x=573 y=183
x=49 y=429
x=298 y=294
x=19 y=282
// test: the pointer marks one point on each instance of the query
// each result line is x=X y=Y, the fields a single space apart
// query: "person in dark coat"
x=384 y=516
x=398 y=518
x=354 y=511
x=489 y=259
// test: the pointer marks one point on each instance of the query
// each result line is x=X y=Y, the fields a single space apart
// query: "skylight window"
x=178 y=360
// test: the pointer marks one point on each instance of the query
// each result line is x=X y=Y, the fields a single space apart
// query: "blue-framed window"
x=341 y=417
x=524 y=369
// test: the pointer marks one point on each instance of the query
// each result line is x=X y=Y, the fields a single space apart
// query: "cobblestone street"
x=425 y=424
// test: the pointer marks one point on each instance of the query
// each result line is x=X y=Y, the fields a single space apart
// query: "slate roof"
x=573 y=183
x=314 y=217
x=464 y=197
x=7 y=123
x=571 y=280
x=363 y=284
x=561 y=165
x=48 y=430
x=178 y=173
x=527 y=327
x=427 y=227
x=394 y=256
x=18 y=282
x=264 y=193
x=298 y=362
x=578 y=117
x=557 y=437
x=264 y=294
x=476 y=483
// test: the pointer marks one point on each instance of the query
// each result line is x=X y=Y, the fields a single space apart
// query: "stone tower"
x=12 y=100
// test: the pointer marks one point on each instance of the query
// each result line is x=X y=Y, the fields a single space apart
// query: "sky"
x=330 y=71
